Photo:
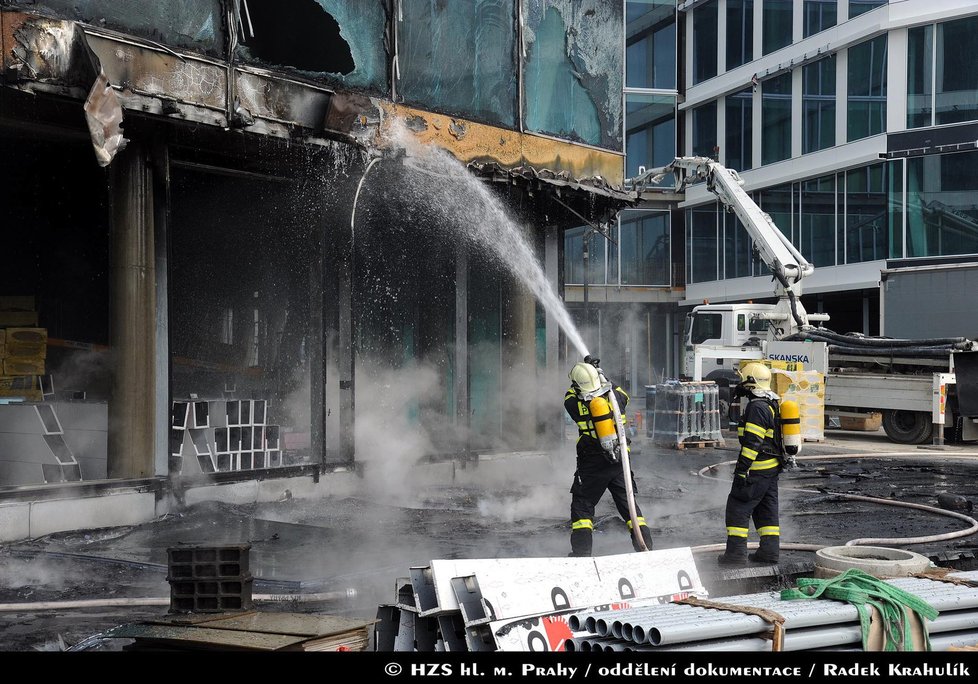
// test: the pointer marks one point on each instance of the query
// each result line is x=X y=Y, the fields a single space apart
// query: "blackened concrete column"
x=132 y=324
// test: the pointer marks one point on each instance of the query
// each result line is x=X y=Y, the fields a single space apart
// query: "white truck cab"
x=726 y=325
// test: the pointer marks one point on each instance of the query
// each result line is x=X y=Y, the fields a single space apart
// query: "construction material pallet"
x=692 y=444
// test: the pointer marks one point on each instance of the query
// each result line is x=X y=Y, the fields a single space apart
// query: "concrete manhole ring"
x=878 y=561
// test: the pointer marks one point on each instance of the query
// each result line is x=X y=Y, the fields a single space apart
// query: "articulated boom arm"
x=787 y=264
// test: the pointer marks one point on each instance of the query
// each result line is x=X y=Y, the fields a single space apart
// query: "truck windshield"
x=706 y=326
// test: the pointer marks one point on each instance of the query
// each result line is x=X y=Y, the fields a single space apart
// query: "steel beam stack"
x=523 y=604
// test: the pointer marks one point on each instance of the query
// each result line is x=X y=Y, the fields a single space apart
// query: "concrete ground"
x=355 y=545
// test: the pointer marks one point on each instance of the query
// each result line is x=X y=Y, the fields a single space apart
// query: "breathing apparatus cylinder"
x=604 y=424
x=791 y=427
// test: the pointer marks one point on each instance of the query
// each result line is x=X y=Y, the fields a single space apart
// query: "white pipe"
x=152 y=601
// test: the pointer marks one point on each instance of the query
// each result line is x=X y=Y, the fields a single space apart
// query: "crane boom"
x=787 y=264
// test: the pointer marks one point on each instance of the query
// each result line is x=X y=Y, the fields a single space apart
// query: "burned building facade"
x=232 y=274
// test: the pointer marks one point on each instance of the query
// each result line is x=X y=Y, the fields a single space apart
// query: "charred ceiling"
x=321 y=71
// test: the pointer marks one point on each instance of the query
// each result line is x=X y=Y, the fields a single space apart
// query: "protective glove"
x=741 y=489
x=789 y=462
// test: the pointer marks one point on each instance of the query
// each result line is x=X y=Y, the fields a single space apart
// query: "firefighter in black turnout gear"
x=596 y=470
x=754 y=493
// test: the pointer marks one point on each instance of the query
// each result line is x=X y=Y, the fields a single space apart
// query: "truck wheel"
x=907 y=427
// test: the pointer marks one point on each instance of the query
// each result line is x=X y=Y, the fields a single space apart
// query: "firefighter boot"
x=736 y=552
x=768 y=551
x=646 y=537
x=580 y=543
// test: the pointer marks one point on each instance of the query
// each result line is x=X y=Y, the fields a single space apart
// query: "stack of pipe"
x=862 y=345
x=810 y=624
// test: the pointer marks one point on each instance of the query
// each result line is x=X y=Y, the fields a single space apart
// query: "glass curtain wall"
x=942 y=81
x=857 y=7
x=740 y=32
x=650 y=135
x=816 y=221
x=739 y=130
x=777 y=28
x=866 y=104
x=942 y=217
x=650 y=85
x=705 y=130
x=573 y=67
x=737 y=248
x=705 y=41
x=776 y=119
x=650 y=44
x=819 y=15
x=818 y=105
x=645 y=248
x=702 y=243
x=867 y=218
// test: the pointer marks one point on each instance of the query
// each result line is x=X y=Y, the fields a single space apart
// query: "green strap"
x=864 y=592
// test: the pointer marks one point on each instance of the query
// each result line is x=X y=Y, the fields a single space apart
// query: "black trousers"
x=595 y=475
x=758 y=501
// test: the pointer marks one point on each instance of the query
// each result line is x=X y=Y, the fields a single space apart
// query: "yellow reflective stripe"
x=766 y=464
x=769 y=531
x=737 y=532
x=641 y=522
x=769 y=433
x=749 y=454
x=740 y=432
x=754 y=429
x=627 y=398
x=583 y=524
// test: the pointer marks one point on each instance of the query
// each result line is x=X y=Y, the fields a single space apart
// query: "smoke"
x=83 y=370
x=390 y=437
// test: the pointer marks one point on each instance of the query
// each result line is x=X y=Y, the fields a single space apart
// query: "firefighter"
x=754 y=492
x=596 y=470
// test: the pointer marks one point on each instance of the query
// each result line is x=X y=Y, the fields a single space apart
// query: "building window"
x=866 y=108
x=737 y=247
x=816 y=220
x=957 y=91
x=777 y=203
x=573 y=73
x=705 y=41
x=920 y=76
x=818 y=105
x=701 y=243
x=650 y=40
x=645 y=248
x=574 y=257
x=740 y=32
x=776 y=119
x=705 y=130
x=650 y=138
x=942 y=217
x=479 y=38
x=867 y=218
x=948 y=94
x=739 y=130
x=857 y=7
x=777 y=25
x=820 y=15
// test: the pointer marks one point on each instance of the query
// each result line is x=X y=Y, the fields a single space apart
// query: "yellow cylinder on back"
x=791 y=427
x=604 y=422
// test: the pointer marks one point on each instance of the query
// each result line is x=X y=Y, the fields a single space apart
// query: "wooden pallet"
x=698 y=444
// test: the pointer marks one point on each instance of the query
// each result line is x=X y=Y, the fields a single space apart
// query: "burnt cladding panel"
x=194 y=24
x=460 y=58
x=573 y=71
x=338 y=41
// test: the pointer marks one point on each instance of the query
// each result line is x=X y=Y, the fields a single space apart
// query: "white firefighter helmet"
x=756 y=376
x=586 y=377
